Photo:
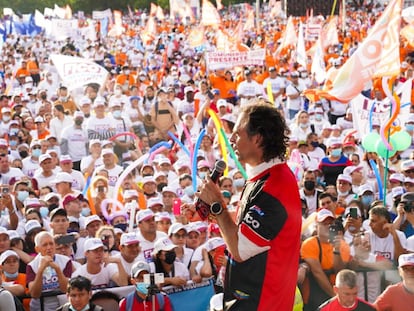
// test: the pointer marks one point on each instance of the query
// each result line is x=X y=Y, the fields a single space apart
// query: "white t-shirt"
x=29 y=166
x=101 y=279
x=294 y=104
x=113 y=174
x=147 y=247
x=77 y=140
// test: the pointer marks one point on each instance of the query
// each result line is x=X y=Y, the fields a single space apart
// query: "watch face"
x=216 y=208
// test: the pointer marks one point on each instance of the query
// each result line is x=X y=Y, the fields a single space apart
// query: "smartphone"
x=353 y=212
x=154 y=278
x=5 y=189
x=101 y=189
x=333 y=232
x=177 y=206
x=65 y=239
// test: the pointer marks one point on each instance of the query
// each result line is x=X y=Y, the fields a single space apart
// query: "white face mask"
x=118 y=92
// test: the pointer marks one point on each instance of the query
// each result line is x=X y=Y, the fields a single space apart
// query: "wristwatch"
x=216 y=208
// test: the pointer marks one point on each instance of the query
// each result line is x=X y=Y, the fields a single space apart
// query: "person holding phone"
x=352 y=220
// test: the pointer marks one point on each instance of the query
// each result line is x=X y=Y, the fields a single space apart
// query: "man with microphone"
x=263 y=245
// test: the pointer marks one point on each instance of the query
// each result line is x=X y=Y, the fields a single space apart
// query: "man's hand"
x=177 y=281
x=210 y=192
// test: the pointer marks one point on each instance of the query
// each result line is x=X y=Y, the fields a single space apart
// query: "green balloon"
x=381 y=150
x=401 y=140
x=370 y=140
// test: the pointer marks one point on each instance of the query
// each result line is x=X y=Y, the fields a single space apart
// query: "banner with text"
x=77 y=72
x=221 y=60
x=194 y=296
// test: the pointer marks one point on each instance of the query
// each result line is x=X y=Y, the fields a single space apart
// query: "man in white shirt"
x=98 y=268
x=277 y=85
x=294 y=95
x=109 y=164
x=148 y=234
x=46 y=175
x=74 y=140
x=129 y=250
x=248 y=89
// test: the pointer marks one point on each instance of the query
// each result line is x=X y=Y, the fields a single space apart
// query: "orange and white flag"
x=196 y=36
x=289 y=37
x=159 y=14
x=153 y=9
x=301 y=56
x=330 y=33
x=377 y=56
x=209 y=15
x=249 y=21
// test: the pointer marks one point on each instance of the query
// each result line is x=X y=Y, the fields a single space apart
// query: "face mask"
x=14 y=131
x=189 y=191
x=13 y=143
x=6 y=118
x=161 y=185
x=318 y=117
x=87 y=115
x=342 y=194
x=36 y=153
x=118 y=92
x=23 y=154
x=123 y=227
x=304 y=125
x=78 y=122
x=52 y=206
x=44 y=211
x=309 y=185
x=409 y=127
x=170 y=257
x=315 y=144
x=43 y=96
x=86 y=211
x=202 y=175
x=127 y=72
x=11 y=276
x=367 y=199
x=64 y=99
x=336 y=152
x=304 y=75
x=142 y=78
x=239 y=182
x=22 y=195
x=142 y=288
x=348 y=153
x=116 y=114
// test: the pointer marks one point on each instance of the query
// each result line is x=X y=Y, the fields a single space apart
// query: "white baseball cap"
x=163 y=244
x=92 y=243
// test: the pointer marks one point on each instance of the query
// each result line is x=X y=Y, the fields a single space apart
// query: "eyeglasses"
x=409 y=171
x=36 y=147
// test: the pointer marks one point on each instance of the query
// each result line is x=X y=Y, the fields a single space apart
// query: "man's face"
x=326 y=203
x=323 y=227
x=4 y=242
x=79 y=298
x=11 y=264
x=148 y=225
x=46 y=247
x=130 y=252
x=108 y=159
x=377 y=225
x=95 y=256
x=93 y=227
x=346 y=295
x=244 y=146
x=59 y=224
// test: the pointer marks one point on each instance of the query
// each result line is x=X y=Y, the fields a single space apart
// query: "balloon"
x=378 y=175
x=184 y=148
x=124 y=134
x=222 y=143
x=381 y=150
x=369 y=141
x=194 y=159
x=401 y=140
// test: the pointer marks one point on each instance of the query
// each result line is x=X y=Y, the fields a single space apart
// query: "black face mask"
x=170 y=257
x=43 y=96
x=123 y=227
x=23 y=154
x=314 y=144
x=52 y=206
x=309 y=185
x=78 y=122
x=87 y=115
x=161 y=185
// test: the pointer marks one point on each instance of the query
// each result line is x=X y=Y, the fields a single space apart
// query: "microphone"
x=202 y=208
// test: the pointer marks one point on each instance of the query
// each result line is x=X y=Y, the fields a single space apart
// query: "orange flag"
x=153 y=10
x=377 y=56
x=289 y=37
x=209 y=15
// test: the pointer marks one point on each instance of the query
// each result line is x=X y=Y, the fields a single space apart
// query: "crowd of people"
x=66 y=226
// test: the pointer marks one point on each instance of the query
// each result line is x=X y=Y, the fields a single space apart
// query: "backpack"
x=130 y=300
x=17 y=303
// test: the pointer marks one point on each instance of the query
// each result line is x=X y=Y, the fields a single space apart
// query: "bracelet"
x=12 y=212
